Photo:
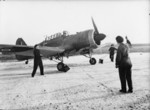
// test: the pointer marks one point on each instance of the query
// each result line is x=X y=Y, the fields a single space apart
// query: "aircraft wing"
x=50 y=51
x=28 y=50
x=17 y=49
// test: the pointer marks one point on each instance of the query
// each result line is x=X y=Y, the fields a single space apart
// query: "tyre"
x=26 y=62
x=60 y=66
x=92 y=61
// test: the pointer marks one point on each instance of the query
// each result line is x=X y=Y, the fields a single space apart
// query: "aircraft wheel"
x=60 y=66
x=92 y=61
x=27 y=62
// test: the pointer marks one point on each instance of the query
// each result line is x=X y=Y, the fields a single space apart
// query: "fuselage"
x=80 y=40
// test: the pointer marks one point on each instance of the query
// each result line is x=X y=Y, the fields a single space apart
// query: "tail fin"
x=20 y=41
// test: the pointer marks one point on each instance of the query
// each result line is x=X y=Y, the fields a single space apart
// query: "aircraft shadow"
x=54 y=72
x=26 y=75
x=15 y=76
x=78 y=65
x=19 y=74
x=69 y=64
x=48 y=72
x=49 y=65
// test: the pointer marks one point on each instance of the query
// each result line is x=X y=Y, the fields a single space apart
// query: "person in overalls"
x=112 y=52
x=124 y=65
x=37 y=61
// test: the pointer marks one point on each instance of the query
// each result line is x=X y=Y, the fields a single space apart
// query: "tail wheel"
x=60 y=66
x=26 y=62
x=92 y=61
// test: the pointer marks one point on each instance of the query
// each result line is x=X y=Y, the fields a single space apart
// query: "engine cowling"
x=95 y=38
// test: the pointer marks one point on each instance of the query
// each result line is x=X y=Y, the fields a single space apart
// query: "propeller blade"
x=97 y=36
x=95 y=27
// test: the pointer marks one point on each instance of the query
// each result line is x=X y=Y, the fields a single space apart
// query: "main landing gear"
x=92 y=61
x=61 y=66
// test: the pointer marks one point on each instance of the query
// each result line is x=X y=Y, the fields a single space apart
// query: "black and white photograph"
x=75 y=54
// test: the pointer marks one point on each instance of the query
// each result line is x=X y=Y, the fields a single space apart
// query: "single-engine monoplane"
x=60 y=45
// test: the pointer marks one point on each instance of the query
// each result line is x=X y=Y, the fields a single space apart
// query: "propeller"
x=97 y=36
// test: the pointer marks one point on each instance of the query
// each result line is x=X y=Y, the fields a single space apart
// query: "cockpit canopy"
x=59 y=34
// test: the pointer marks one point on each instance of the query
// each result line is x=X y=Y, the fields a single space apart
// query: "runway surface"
x=83 y=87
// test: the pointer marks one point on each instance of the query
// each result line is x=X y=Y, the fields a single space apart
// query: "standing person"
x=124 y=65
x=37 y=61
x=112 y=52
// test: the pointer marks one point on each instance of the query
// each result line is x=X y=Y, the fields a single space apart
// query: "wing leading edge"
x=50 y=51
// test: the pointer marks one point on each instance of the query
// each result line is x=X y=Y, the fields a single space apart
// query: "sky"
x=33 y=20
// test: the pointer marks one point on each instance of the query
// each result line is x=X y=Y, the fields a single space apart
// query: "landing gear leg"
x=92 y=60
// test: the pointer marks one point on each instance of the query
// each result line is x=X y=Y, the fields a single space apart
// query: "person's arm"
x=116 y=49
x=109 y=49
x=118 y=57
x=129 y=43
